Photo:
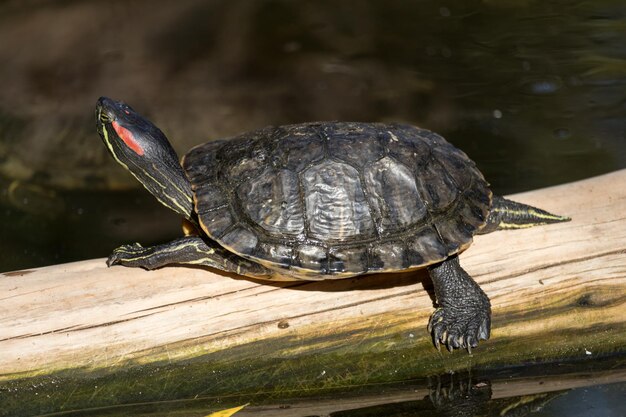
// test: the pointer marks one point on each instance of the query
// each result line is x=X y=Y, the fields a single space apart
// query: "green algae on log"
x=558 y=292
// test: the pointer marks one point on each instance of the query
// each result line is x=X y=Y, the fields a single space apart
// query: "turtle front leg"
x=190 y=250
x=463 y=316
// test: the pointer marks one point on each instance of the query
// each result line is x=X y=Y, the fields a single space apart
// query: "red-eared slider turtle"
x=319 y=201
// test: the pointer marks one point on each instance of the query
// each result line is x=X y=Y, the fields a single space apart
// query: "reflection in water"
x=31 y=198
x=458 y=397
x=462 y=397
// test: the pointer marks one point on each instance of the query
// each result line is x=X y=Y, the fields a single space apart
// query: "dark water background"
x=533 y=91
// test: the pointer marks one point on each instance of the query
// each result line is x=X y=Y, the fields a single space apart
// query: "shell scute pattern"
x=219 y=221
x=355 y=145
x=394 y=197
x=335 y=204
x=437 y=188
x=352 y=259
x=238 y=160
x=456 y=165
x=271 y=200
x=242 y=239
x=428 y=241
x=405 y=145
x=298 y=147
x=388 y=255
x=312 y=257
x=279 y=254
x=338 y=198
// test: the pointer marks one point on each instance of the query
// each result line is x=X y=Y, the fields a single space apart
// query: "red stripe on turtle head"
x=128 y=138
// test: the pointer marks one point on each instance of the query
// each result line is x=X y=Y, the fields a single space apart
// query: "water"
x=590 y=391
x=532 y=91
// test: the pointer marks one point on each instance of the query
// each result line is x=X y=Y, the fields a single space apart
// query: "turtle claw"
x=127 y=255
x=461 y=331
x=437 y=330
x=470 y=343
x=435 y=318
x=485 y=329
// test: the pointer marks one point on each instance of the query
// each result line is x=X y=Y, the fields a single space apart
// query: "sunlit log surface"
x=558 y=292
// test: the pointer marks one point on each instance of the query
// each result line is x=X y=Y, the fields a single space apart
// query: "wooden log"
x=557 y=292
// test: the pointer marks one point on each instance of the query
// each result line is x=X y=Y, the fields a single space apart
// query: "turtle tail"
x=507 y=214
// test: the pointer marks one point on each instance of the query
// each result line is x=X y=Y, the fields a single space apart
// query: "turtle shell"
x=339 y=199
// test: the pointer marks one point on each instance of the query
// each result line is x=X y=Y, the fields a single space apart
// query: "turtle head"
x=140 y=147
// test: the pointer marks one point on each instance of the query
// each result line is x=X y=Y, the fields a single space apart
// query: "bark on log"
x=557 y=291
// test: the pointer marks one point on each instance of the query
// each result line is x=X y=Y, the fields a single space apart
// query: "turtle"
x=322 y=200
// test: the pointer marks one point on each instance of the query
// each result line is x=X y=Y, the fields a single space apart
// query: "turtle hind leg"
x=508 y=214
x=463 y=316
x=188 y=250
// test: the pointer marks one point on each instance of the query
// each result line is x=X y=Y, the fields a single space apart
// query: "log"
x=558 y=293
